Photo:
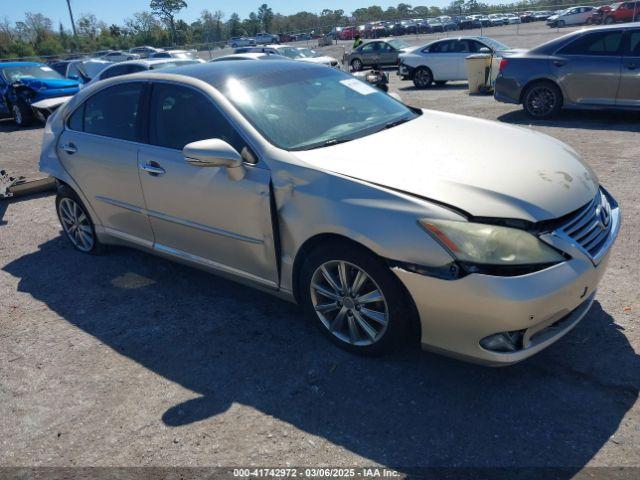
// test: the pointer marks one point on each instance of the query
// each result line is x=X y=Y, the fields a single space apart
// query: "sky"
x=115 y=11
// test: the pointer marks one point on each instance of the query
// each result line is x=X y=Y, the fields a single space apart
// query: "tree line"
x=160 y=26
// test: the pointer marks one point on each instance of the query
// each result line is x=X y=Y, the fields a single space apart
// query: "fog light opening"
x=503 y=342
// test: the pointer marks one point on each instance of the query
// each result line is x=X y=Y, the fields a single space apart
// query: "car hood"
x=486 y=169
x=47 y=83
x=553 y=17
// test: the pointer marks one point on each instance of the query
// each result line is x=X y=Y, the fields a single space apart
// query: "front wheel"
x=354 y=299
x=561 y=24
x=356 y=64
x=422 y=77
x=542 y=100
x=608 y=20
x=22 y=114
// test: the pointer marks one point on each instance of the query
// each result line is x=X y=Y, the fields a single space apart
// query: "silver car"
x=376 y=218
x=591 y=68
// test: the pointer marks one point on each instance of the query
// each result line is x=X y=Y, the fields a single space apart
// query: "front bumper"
x=455 y=315
x=404 y=71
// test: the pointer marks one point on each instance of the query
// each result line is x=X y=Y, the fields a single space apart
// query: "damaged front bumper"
x=43 y=108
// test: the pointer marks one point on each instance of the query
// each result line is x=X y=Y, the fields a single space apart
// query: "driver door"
x=199 y=213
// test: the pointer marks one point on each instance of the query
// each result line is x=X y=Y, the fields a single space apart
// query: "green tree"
x=235 y=29
x=167 y=10
x=265 y=15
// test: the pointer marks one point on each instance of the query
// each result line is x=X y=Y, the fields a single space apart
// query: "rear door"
x=99 y=148
x=588 y=69
x=629 y=91
x=199 y=213
x=443 y=60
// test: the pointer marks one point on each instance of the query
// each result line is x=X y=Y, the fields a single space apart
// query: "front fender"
x=311 y=202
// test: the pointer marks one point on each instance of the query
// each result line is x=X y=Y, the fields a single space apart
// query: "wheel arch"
x=312 y=243
x=540 y=80
x=324 y=238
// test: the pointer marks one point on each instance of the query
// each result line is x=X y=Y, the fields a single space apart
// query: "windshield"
x=307 y=52
x=14 y=74
x=494 y=44
x=398 y=44
x=313 y=108
x=290 y=52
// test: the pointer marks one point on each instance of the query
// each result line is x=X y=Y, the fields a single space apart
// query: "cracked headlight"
x=478 y=246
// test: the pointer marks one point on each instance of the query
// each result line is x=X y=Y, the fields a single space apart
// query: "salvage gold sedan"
x=379 y=219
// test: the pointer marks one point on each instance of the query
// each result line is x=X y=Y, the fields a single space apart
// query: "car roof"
x=247 y=55
x=147 y=62
x=217 y=74
x=20 y=64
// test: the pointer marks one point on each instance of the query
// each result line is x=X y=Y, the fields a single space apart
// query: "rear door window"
x=597 y=43
x=113 y=112
x=633 y=50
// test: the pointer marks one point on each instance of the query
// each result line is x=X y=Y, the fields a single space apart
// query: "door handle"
x=70 y=148
x=154 y=170
x=559 y=63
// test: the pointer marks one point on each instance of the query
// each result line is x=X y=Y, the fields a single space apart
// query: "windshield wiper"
x=395 y=123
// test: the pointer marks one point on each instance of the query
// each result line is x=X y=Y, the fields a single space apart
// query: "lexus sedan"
x=374 y=217
x=593 y=68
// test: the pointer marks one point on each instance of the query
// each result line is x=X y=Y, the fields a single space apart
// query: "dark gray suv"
x=591 y=68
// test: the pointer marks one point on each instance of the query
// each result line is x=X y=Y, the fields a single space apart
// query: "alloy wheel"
x=422 y=77
x=541 y=101
x=76 y=224
x=357 y=65
x=349 y=303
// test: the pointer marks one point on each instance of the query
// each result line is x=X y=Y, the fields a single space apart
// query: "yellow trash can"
x=478 y=67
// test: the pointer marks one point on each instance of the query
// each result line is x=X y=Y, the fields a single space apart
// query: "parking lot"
x=126 y=359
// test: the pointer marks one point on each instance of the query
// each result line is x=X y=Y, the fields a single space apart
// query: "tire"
x=356 y=64
x=542 y=100
x=422 y=77
x=608 y=21
x=440 y=83
x=561 y=24
x=22 y=114
x=76 y=222
x=342 y=319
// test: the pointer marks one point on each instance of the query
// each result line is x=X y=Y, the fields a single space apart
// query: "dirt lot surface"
x=127 y=359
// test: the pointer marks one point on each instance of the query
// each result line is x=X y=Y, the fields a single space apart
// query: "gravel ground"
x=127 y=359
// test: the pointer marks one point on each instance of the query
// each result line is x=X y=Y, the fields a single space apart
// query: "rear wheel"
x=354 y=299
x=422 y=77
x=22 y=114
x=542 y=100
x=76 y=222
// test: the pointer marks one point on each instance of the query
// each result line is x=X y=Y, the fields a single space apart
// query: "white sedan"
x=444 y=60
x=570 y=16
x=293 y=53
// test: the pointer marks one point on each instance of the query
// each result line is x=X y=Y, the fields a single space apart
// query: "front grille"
x=591 y=226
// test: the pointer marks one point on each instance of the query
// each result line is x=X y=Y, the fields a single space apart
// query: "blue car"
x=31 y=90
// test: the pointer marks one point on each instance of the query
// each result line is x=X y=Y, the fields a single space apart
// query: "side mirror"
x=484 y=50
x=215 y=153
x=74 y=77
